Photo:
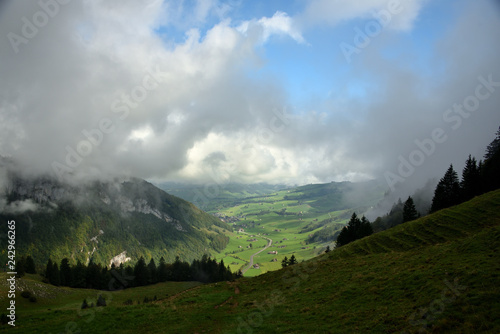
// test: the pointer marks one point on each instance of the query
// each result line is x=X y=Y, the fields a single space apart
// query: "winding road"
x=270 y=242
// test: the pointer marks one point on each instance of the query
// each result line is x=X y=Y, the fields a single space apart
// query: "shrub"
x=25 y=294
x=101 y=301
x=85 y=304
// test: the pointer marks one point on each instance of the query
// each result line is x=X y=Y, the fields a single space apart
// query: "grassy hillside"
x=438 y=274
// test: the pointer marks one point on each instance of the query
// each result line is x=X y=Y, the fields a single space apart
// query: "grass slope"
x=437 y=274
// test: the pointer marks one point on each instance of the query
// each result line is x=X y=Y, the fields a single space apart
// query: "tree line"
x=97 y=276
x=478 y=177
x=355 y=229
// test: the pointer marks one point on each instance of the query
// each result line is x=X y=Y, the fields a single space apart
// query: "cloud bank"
x=98 y=88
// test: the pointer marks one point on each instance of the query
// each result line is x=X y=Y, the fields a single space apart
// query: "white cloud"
x=279 y=24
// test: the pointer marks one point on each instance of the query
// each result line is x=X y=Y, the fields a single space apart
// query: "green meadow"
x=282 y=216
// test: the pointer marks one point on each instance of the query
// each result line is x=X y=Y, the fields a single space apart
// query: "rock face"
x=119 y=259
x=97 y=220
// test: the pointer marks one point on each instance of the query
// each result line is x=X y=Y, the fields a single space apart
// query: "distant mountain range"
x=104 y=221
x=325 y=196
x=215 y=196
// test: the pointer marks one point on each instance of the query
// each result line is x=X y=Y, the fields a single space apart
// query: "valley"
x=301 y=221
x=435 y=274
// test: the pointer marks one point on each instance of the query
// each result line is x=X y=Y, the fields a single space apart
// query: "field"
x=438 y=274
x=289 y=218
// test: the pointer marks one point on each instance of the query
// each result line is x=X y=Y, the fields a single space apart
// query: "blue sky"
x=245 y=91
x=316 y=69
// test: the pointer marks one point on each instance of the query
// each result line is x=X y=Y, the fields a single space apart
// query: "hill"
x=216 y=196
x=436 y=274
x=127 y=218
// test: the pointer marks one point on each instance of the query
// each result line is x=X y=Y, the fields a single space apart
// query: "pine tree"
x=162 y=270
x=222 y=271
x=152 y=272
x=55 y=278
x=284 y=262
x=494 y=147
x=30 y=265
x=292 y=260
x=48 y=270
x=66 y=273
x=93 y=276
x=471 y=179
x=101 y=301
x=79 y=275
x=343 y=237
x=20 y=267
x=141 y=272
x=355 y=229
x=490 y=171
x=409 y=211
x=84 y=304
x=447 y=192
x=365 y=229
x=327 y=250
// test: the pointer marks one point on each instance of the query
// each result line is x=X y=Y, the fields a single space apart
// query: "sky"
x=215 y=91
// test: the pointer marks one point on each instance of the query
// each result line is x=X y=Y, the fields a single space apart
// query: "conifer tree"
x=447 y=192
x=365 y=229
x=409 y=211
x=284 y=262
x=30 y=265
x=292 y=260
x=162 y=270
x=141 y=272
x=79 y=275
x=152 y=272
x=48 y=270
x=93 y=276
x=55 y=278
x=490 y=171
x=471 y=179
x=355 y=229
x=21 y=267
x=84 y=304
x=66 y=273
x=101 y=301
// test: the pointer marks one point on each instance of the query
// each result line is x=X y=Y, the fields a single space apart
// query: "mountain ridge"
x=102 y=220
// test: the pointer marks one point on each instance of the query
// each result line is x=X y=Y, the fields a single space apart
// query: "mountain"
x=120 y=219
x=437 y=274
x=326 y=197
x=214 y=196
